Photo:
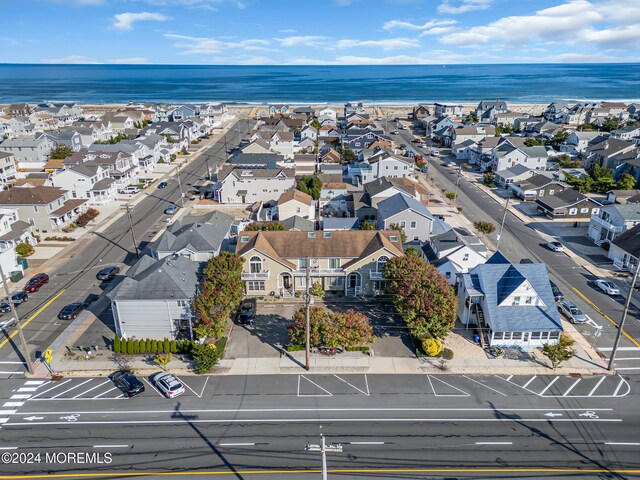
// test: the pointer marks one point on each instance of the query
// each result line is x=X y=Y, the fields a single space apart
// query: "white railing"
x=609 y=226
x=256 y=275
x=317 y=272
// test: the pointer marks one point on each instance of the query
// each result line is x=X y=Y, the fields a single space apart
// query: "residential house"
x=310 y=133
x=154 y=299
x=306 y=112
x=446 y=110
x=384 y=187
x=256 y=160
x=411 y=215
x=381 y=164
x=299 y=224
x=278 y=109
x=556 y=112
x=455 y=252
x=419 y=112
x=476 y=133
x=506 y=155
x=7 y=167
x=625 y=250
x=181 y=113
x=296 y=203
x=621 y=196
x=88 y=180
x=13 y=231
x=463 y=150
x=360 y=140
x=327 y=114
x=487 y=110
x=619 y=156
x=330 y=155
x=568 y=203
x=45 y=208
x=512 y=305
x=334 y=224
x=119 y=122
x=258 y=146
x=516 y=174
x=626 y=133
x=351 y=108
x=507 y=119
x=481 y=153
x=305 y=145
x=28 y=152
x=119 y=165
x=67 y=137
x=612 y=220
x=578 y=142
x=22 y=109
x=237 y=184
x=346 y=262
x=537 y=186
x=197 y=238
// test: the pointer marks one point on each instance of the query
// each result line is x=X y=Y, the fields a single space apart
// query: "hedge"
x=147 y=345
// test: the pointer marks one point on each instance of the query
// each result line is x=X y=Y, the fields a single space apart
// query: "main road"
x=74 y=276
x=384 y=426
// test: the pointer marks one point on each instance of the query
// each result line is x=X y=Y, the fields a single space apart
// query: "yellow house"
x=343 y=261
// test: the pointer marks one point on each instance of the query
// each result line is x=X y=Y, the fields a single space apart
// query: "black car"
x=19 y=297
x=557 y=294
x=71 y=311
x=162 y=185
x=108 y=273
x=128 y=383
x=5 y=307
x=246 y=315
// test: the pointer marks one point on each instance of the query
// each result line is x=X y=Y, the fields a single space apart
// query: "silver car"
x=573 y=313
x=168 y=384
x=607 y=287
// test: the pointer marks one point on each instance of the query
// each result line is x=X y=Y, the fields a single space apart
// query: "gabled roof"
x=497 y=258
x=510 y=281
x=629 y=241
x=298 y=223
x=203 y=236
x=296 y=195
x=30 y=196
x=381 y=184
x=398 y=203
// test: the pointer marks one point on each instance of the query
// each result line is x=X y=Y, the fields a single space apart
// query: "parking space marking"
x=622 y=382
x=327 y=392
x=571 y=387
x=353 y=386
x=52 y=388
x=7 y=412
x=154 y=388
x=436 y=379
x=567 y=392
x=549 y=386
x=486 y=386
x=13 y=404
x=530 y=380
x=596 y=387
x=72 y=388
x=104 y=393
x=20 y=396
x=201 y=392
x=34 y=382
x=87 y=391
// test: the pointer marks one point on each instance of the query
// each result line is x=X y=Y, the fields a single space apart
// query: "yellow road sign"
x=48 y=355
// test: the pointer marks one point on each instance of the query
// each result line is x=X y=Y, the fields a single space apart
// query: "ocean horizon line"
x=295 y=65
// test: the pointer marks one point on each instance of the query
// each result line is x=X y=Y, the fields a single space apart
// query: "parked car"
x=557 y=294
x=607 y=287
x=162 y=185
x=415 y=140
x=452 y=165
x=573 y=313
x=246 y=314
x=71 y=311
x=5 y=307
x=168 y=384
x=128 y=383
x=403 y=145
x=130 y=190
x=555 y=246
x=435 y=153
x=108 y=273
x=171 y=209
x=35 y=282
x=19 y=297
x=395 y=132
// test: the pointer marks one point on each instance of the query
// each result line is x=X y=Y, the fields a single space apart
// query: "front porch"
x=334 y=280
x=66 y=214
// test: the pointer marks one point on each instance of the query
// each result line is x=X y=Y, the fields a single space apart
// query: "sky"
x=319 y=32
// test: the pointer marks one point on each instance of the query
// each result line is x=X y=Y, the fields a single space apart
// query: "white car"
x=168 y=384
x=435 y=153
x=555 y=246
x=607 y=287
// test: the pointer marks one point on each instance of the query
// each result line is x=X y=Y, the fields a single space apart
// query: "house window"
x=413 y=224
x=302 y=263
x=516 y=300
x=326 y=234
x=403 y=224
x=254 y=286
x=393 y=238
x=573 y=211
x=181 y=303
x=298 y=210
x=541 y=193
x=244 y=239
x=465 y=257
x=380 y=263
x=255 y=265
x=334 y=263
x=311 y=234
x=584 y=210
x=416 y=237
x=528 y=300
x=535 y=335
x=551 y=192
x=35 y=208
x=595 y=211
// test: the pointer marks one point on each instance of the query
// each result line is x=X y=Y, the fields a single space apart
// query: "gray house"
x=613 y=220
x=28 y=149
x=197 y=238
x=410 y=214
x=154 y=299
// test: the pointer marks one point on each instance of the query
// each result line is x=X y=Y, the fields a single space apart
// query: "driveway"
x=272 y=319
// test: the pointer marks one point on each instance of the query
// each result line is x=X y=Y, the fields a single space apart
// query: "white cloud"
x=454 y=7
x=125 y=21
x=583 y=58
x=72 y=60
x=255 y=60
x=385 y=44
x=302 y=41
x=130 y=61
x=288 y=30
x=393 y=24
x=209 y=46
x=436 y=57
x=211 y=5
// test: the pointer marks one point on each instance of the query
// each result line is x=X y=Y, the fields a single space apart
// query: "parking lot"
x=269 y=332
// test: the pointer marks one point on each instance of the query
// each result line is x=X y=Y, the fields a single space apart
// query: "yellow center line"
x=335 y=470
x=35 y=314
x=599 y=310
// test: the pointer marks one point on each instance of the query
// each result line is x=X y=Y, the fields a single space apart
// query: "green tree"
x=565 y=161
x=583 y=185
x=367 y=225
x=163 y=360
x=160 y=346
x=471 y=118
x=311 y=185
x=610 y=124
x=205 y=356
x=147 y=346
x=129 y=346
x=532 y=142
x=316 y=124
x=400 y=230
x=316 y=290
x=602 y=178
x=626 y=182
x=484 y=227
x=559 y=352
x=335 y=329
x=116 y=343
x=489 y=178
x=558 y=139
x=167 y=346
x=421 y=295
x=136 y=346
x=174 y=347
x=586 y=127
x=268 y=226
x=450 y=196
x=60 y=152
x=348 y=155
x=154 y=346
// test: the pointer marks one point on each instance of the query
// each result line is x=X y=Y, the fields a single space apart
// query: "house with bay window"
x=346 y=262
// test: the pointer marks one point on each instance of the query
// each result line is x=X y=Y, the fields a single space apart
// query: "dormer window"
x=311 y=234
x=326 y=235
x=244 y=239
x=393 y=238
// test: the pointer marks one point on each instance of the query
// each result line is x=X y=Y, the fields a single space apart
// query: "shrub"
x=484 y=227
x=163 y=360
x=129 y=346
x=206 y=356
x=316 y=290
x=116 y=343
x=295 y=348
x=154 y=346
x=136 y=346
x=174 y=347
x=167 y=346
x=147 y=346
x=358 y=348
x=446 y=353
x=221 y=344
x=431 y=346
x=160 y=347
x=25 y=249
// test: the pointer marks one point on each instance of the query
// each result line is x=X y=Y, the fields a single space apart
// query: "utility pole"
x=624 y=315
x=307 y=328
x=504 y=217
x=18 y=325
x=226 y=151
x=180 y=186
x=206 y=159
x=127 y=207
x=324 y=448
x=455 y=198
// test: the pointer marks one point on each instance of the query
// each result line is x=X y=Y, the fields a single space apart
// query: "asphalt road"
x=388 y=426
x=520 y=240
x=74 y=279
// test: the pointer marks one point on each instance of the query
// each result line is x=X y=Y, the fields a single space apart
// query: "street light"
x=23 y=342
x=180 y=185
x=127 y=207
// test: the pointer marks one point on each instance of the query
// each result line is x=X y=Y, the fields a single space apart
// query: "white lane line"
x=203 y=387
x=548 y=386
x=8 y=448
x=571 y=387
x=110 y=446
x=509 y=378
x=366 y=443
x=72 y=388
x=20 y=396
x=531 y=380
x=239 y=444
x=353 y=386
x=618 y=359
x=461 y=394
x=3 y=420
x=7 y=412
x=155 y=389
x=34 y=382
x=87 y=391
x=631 y=444
x=620 y=349
x=596 y=387
x=494 y=443
x=27 y=389
x=52 y=388
x=104 y=393
x=486 y=386
x=11 y=373
x=17 y=362
x=328 y=393
x=13 y=404
x=627 y=368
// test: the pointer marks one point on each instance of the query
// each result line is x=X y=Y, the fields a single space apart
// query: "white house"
x=296 y=203
x=237 y=184
x=87 y=180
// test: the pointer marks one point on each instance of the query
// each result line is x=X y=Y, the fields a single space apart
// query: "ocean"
x=393 y=84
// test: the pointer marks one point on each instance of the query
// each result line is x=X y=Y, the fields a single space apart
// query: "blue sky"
x=319 y=31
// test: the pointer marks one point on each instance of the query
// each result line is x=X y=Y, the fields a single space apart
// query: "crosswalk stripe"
x=7 y=412
x=4 y=420
x=20 y=396
x=28 y=389
x=34 y=382
x=13 y=404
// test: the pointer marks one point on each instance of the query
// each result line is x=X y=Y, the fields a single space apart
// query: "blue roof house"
x=513 y=305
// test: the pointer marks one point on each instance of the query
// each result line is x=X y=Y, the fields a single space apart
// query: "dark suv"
x=71 y=311
x=557 y=294
x=247 y=313
x=37 y=281
x=108 y=273
x=128 y=383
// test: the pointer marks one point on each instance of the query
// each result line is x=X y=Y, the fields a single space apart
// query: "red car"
x=37 y=281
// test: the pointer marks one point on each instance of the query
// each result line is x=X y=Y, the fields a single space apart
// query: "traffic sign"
x=48 y=355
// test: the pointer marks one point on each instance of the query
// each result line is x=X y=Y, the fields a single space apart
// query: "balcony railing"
x=263 y=275
x=609 y=226
x=320 y=272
